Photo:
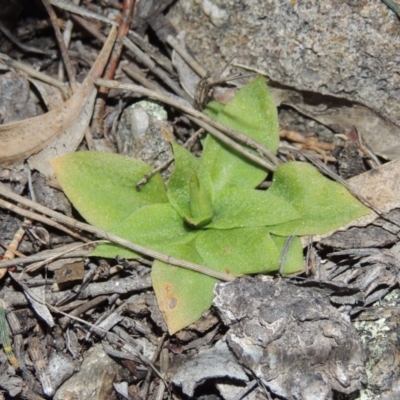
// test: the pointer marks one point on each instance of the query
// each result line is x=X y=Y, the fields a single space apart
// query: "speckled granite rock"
x=345 y=48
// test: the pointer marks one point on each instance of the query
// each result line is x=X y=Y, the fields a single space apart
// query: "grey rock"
x=144 y=132
x=49 y=197
x=369 y=236
x=86 y=383
x=213 y=363
x=348 y=49
x=291 y=338
x=378 y=328
x=60 y=368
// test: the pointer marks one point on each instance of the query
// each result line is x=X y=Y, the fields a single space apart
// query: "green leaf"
x=252 y=112
x=201 y=209
x=102 y=185
x=213 y=108
x=324 y=205
x=236 y=207
x=157 y=226
x=179 y=188
x=238 y=251
x=182 y=295
x=294 y=255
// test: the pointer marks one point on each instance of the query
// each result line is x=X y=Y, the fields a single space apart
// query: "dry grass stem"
x=149 y=63
x=5 y=192
x=204 y=119
x=186 y=56
x=33 y=73
x=61 y=44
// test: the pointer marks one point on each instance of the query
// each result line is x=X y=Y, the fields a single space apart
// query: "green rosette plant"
x=210 y=212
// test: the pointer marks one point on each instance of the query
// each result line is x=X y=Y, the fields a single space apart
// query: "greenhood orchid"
x=210 y=212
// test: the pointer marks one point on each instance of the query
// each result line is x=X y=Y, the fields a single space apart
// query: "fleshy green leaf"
x=324 y=205
x=236 y=207
x=220 y=186
x=102 y=185
x=252 y=112
x=294 y=255
x=213 y=108
x=157 y=226
x=179 y=193
x=182 y=295
x=201 y=209
x=238 y=251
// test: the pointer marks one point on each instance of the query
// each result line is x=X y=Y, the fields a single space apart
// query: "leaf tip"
x=56 y=163
x=168 y=302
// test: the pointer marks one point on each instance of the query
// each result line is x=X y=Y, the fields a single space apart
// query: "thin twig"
x=12 y=251
x=43 y=256
x=37 y=298
x=206 y=122
x=90 y=27
x=134 y=73
x=143 y=57
x=123 y=355
x=286 y=149
x=61 y=44
x=13 y=246
x=29 y=214
x=9 y=248
x=216 y=133
x=32 y=294
x=164 y=62
x=365 y=148
x=67 y=39
x=232 y=144
x=137 y=75
x=123 y=29
x=196 y=67
x=148 y=62
x=161 y=60
x=29 y=49
x=4 y=191
x=249 y=68
x=164 y=165
x=38 y=265
x=147 y=381
x=34 y=73
x=69 y=6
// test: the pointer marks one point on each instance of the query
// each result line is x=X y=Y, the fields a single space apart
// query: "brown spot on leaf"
x=172 y=303
x=168 y=288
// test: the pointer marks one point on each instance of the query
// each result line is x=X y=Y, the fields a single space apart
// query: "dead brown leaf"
x=380 y=134
x=24 y=138
x=52 y=96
